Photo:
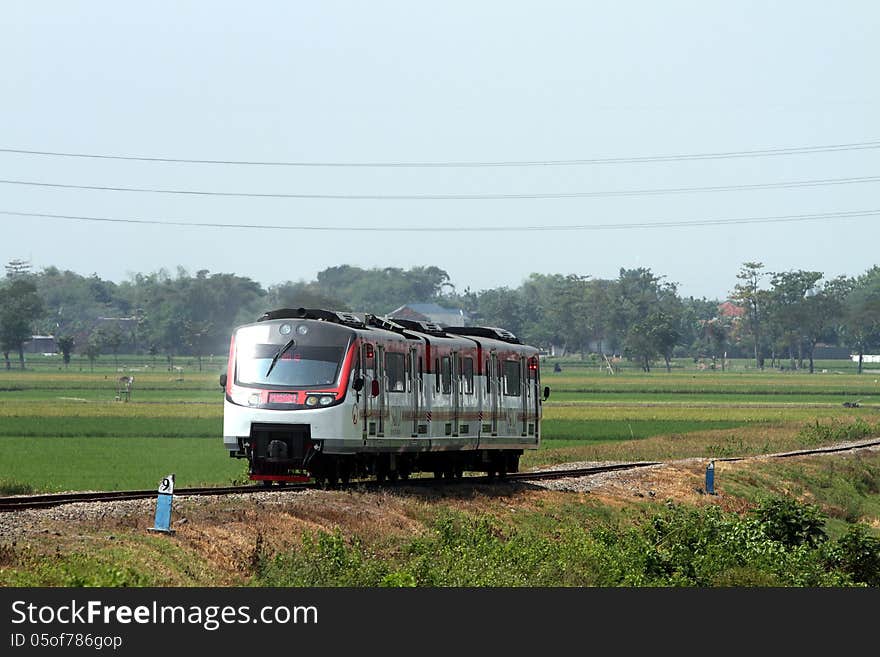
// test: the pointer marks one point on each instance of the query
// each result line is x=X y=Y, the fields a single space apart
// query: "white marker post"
x=163 y=506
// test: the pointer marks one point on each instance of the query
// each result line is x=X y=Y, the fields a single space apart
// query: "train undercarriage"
x=287 y=453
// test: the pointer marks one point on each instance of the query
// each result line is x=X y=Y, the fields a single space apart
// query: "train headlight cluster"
x=322 y=400
x=254 y=399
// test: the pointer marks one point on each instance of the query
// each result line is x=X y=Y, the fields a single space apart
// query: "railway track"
x=21 y=502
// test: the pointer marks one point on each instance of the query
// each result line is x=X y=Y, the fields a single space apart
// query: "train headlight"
x=326 y=399
x=254 y=399
x=311 y=400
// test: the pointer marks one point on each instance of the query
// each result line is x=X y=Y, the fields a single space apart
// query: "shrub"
x=857 y=553
x=790 y=522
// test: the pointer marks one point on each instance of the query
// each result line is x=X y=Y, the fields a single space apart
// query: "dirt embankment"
x=221 y=539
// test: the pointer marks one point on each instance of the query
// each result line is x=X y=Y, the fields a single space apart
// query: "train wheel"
x=345 y=472
x=438 y=474
x=331 y=472
x=392 y=476
x=267 y=483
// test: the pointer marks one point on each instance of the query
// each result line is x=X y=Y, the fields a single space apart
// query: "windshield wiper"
x=279 y=353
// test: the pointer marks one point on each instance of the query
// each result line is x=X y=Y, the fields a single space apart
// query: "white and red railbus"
x=331 y=395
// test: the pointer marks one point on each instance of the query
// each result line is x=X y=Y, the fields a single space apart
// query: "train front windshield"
x=289 y=354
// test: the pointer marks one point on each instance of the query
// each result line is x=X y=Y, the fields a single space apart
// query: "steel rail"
x=19 y=502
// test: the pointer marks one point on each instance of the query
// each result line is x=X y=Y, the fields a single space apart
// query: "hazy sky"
x=441 y=82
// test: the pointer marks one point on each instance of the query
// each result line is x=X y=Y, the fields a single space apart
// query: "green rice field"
x=64 y=429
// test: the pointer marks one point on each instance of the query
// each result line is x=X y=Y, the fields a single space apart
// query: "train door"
x=494 y=390
x=524 y=393
x=361 y=411
x=415 y=382
x=455 y=389
x=535 y=387
x=381 y=402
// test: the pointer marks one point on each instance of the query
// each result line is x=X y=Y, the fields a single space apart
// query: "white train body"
x=324 y=394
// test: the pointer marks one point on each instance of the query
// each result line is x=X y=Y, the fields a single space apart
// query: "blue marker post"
x=710 y=478
x=163 y=506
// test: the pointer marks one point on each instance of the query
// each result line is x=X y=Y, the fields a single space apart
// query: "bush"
x=790 y=522
x=857 y=553
x=782 y=544
x=836 y=431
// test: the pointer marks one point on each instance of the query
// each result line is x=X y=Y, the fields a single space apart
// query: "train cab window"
x=467 y=374
x=395 y=372
x=446 y=374
x=512 y=386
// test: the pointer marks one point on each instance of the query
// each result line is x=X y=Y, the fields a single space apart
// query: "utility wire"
x=767 y=152
x=853 y=214
x=462 y=197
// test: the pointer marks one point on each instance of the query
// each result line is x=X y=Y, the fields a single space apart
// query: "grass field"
x=64 y=431
x=61 y=429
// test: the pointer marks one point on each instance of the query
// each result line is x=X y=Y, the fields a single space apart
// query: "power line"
x=853 y=214
x=461 y=197
x=767 y=152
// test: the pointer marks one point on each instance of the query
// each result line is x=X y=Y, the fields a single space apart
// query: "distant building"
x=826 y=352
x=122 y=324
x=41 y=344
x=431 y=312
x=730 y=309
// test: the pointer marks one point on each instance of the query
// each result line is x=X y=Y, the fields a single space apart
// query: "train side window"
x=395 y=372
x=467 y=370
x=437 y=374
x=512 y=386
x=446 y=374
x=488 y=377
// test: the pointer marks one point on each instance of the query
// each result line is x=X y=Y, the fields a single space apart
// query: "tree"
x=555 y=313
x=791 y=312
x=93 y=347
x=861 y=312
x=654 y=335
x=381 y=290
x=194 y=334
x=749 y=295
x=20 y=308
x=716 y=333
x=648 y=314
x=113 y=340
x=191 y=314
x=502 y=307
x=823 y=313
x=301 y=295
x=65 y=346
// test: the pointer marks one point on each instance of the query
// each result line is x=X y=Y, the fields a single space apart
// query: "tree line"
x=780 y=316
